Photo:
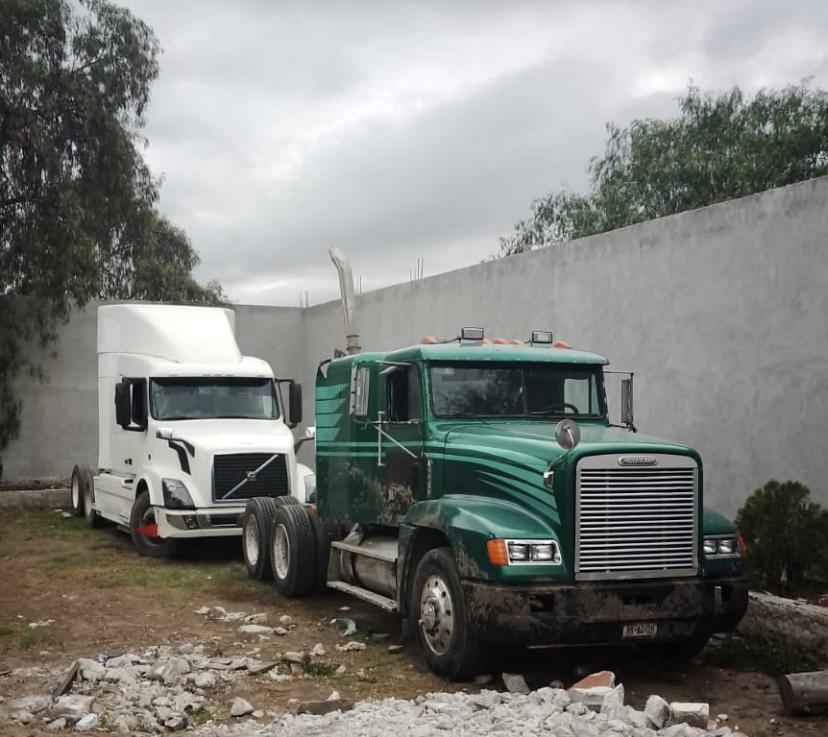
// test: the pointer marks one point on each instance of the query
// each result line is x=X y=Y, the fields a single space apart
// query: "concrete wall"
x=60 y=416
x=721 y=312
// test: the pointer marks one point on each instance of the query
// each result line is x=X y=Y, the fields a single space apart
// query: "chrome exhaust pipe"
x=346 y=289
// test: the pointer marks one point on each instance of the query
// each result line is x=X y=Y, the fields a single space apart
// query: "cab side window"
x=403 y=398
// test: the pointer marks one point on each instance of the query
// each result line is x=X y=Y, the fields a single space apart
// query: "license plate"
x=640 y=630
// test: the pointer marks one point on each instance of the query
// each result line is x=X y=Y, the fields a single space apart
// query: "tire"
x=79 y=473
x=285 y=501
x=439 y=611
x=256 y=526
x=324 y=533
x=293 y=551
x=90 y=516
x=142 y=517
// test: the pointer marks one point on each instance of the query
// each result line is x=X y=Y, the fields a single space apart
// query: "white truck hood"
x=229 y=436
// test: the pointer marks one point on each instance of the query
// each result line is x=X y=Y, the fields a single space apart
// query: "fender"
x=153 y=483
x=468 y=521
x=713 y=523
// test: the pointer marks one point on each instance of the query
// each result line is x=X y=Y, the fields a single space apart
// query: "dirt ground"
x=105 y=599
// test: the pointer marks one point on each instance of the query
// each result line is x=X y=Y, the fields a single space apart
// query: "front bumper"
x=592 y=613
x=184 y=523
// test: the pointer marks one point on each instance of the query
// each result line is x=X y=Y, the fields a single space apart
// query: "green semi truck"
x=479 y=489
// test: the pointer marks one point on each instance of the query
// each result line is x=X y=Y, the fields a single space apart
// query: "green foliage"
x=718 y=148
x=786 y=536
x=769 y=652
x=78 y=216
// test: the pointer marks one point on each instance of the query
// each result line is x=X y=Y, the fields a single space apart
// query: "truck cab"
x=189 y=428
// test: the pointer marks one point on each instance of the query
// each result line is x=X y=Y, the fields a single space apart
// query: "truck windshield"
x=509 y=390
x=199 y=398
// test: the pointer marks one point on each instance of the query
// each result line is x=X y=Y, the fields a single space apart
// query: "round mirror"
x=568 y=434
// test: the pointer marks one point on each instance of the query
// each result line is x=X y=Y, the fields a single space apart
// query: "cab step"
x=383 y=602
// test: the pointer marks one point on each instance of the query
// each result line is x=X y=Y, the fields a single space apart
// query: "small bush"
x=786 y=536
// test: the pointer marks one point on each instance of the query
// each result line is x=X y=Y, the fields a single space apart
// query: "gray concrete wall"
x=60 y=416
x=721 y=312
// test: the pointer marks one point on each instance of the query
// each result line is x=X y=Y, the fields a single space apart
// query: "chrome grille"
x=636 y=522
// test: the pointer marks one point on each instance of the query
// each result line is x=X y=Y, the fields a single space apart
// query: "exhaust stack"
x=346 y=289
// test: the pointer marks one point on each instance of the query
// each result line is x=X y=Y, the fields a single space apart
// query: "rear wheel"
x=292 y=551
x=439 y=609
x=256 y=526
x=90 y=516
x=143 y=528
x=79 y=473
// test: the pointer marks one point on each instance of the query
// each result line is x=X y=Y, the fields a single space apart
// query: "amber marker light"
x=740 y=541
x=496 y=550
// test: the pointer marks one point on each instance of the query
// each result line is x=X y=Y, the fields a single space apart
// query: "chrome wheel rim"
x=281 y=551
x=251 y=540
x=75 y=492
x=436 y=615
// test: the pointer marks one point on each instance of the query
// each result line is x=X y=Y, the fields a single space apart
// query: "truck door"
x=401 y=425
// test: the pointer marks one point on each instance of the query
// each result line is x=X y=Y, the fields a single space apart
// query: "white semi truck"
x=189 y=429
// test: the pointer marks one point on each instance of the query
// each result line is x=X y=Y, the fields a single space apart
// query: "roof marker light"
x=429 y=340
x=541 y=336
x=471 y=334
x=561 y=344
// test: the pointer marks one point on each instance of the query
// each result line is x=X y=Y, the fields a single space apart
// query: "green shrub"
x=786 y=536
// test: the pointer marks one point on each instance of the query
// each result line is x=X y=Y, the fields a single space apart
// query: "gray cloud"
x=400 y=131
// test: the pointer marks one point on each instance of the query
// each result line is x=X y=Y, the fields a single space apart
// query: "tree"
x=786 y=536
x=78 y=216
x=718 y=148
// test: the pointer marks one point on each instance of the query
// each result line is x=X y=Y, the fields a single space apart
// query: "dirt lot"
x=104 y=599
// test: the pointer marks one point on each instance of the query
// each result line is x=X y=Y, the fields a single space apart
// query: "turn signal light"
x=742 y=545
x=496 y=550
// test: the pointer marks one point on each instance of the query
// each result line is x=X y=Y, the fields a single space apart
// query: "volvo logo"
x=251 y=476
x=637 y=461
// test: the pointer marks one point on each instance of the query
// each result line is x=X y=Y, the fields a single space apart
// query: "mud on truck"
x=479 y=489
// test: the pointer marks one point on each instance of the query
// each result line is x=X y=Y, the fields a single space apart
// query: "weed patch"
x=769 y=653
x=39 y=637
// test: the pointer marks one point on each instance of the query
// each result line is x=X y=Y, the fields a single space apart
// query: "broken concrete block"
x=658 y=711
x=604 y=678
x=592 y=698
x=240 y=707
x=696 y=714
x=515 y=683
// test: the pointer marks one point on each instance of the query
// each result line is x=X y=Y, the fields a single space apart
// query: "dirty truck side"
x=479 y=489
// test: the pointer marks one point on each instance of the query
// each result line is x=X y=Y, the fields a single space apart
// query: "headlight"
x=523 y=552
x=176 y=495
x=725 y=546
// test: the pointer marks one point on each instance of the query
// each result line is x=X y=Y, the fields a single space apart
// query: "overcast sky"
x=400 y=131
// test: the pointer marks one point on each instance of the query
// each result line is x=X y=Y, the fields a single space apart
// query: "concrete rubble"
x=546 y=711
x=164 y=688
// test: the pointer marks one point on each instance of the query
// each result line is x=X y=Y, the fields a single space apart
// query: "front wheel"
x=90 y=516
x=143 y=528
x=439 y=609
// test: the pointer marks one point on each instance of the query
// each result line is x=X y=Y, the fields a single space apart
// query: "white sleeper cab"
x=189 y=429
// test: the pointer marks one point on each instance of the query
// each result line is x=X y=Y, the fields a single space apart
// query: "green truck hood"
x=535 y=440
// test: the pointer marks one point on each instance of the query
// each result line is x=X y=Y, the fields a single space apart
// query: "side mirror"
x=627 y=402
x=310 y=432
x=122 y=404
x=139 y=403
x=295 y=403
